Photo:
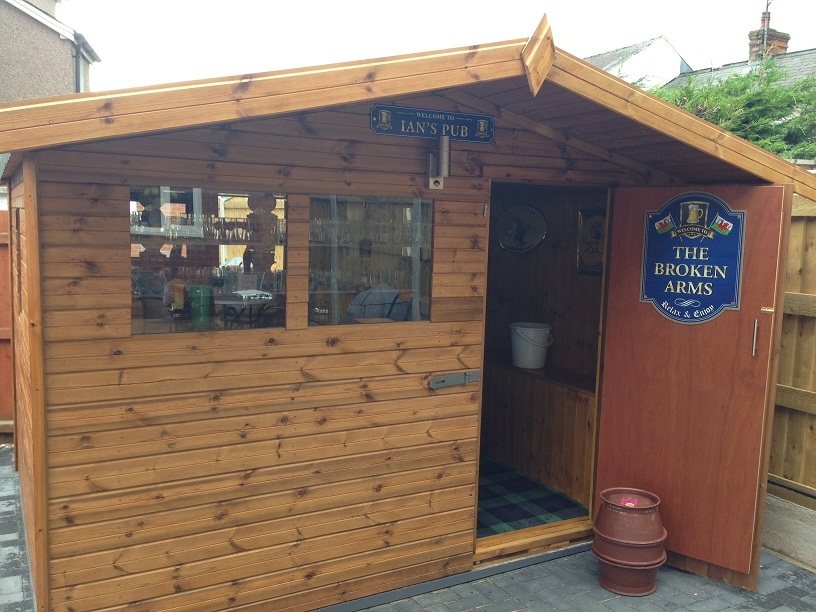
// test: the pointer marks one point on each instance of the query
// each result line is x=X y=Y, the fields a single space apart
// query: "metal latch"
x=459 y=378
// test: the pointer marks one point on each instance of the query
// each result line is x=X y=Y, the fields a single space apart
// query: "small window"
x=206 y=260
x=369 y=259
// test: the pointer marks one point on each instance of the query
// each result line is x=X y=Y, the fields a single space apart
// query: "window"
x=206 y=260
x=369 y=259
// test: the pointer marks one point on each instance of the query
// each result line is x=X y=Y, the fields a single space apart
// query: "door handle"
x=756 y=328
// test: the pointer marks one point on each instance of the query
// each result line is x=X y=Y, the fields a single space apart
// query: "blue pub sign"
x=692 y=258
x=425 y=123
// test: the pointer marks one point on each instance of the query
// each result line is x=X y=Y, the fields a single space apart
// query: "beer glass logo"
x=481 y=128
x=694 y=213
x=384 y=119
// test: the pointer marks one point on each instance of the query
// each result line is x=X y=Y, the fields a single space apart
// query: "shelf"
x=140 y=239
x=548 y=373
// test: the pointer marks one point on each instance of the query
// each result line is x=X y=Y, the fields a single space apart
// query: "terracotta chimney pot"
x=766 y=41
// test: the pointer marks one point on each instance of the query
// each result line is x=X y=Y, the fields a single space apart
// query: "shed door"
x=685 y=404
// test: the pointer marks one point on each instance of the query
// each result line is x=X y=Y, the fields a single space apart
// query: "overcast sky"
x=159 y=41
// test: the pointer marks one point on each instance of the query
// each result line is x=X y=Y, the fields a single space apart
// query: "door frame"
x=570 y=532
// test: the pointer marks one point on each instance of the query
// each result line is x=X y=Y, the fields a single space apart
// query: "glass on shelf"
x=366 y=248
x=197 y=249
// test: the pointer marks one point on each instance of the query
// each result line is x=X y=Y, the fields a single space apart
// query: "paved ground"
x=568 y=583
x=571 y=583
x=15 y=584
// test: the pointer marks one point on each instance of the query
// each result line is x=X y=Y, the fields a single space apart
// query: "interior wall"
x=544 y=285
x=543 y=423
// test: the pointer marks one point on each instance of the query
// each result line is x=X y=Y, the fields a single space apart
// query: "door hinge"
x=459 y=378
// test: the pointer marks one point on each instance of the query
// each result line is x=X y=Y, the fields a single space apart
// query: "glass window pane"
x=206 y=260
x=369 y=259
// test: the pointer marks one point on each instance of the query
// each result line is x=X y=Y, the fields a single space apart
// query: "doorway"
x=538 y=427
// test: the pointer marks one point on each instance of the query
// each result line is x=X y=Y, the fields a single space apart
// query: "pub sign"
x=426 y=123
x=692 y=258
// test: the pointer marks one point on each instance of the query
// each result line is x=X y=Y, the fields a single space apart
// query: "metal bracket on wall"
x=452 y=380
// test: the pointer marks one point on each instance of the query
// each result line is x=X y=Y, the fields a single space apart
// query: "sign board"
x=692 y=258
x=424 y=123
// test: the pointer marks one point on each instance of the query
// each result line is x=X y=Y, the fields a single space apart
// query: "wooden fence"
x=793 y=451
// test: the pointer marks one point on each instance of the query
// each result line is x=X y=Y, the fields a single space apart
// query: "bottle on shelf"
x=247 y=260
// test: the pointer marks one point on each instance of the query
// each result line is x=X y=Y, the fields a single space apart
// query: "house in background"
x=41 y=56
x=762 y=43
x=656 y=63
x=651 y=63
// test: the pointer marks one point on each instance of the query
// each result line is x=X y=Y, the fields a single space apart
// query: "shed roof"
x=529 y=84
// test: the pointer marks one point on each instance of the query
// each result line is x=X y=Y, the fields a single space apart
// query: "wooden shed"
x=263 y=326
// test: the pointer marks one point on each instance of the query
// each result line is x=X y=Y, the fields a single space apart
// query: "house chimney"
x=766 y=41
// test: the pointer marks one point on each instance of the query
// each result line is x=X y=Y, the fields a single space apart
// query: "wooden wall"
x=6 y=396
x=27 y=353
x=543 y=285
x=292 y=467
x=541 y=428
x=793 y=450
x=544 y=428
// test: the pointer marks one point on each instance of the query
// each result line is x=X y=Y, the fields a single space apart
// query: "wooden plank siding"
x=201 y=471
x=793 y=450
x=541 y=428
x=30 y=431
x=6 y=394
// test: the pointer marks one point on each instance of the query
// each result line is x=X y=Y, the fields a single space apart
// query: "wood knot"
x=332 y=342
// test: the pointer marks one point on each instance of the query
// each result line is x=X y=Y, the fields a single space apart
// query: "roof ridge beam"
x=538 y=55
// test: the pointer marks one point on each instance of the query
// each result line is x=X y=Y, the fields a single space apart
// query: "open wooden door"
x=689 y=363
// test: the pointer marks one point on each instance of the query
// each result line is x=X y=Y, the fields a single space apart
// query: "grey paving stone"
x=769 y=584
x=435 y=597
x=710 y=604
x=438 y=608
x=489 y=591
x=11 y=590
x=506 y=605
x=520 y=575
x=465 y=604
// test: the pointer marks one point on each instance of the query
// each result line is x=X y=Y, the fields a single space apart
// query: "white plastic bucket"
x=529 y=343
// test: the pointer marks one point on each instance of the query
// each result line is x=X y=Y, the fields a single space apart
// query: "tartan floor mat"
x=509 y=501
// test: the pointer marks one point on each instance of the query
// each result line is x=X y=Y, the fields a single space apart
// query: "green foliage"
x=758 y=106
